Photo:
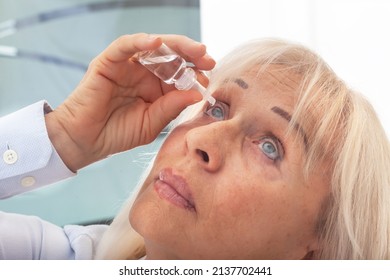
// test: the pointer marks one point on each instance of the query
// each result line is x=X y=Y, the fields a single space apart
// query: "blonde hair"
x=345 y=133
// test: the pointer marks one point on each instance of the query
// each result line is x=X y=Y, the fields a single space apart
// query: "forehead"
x=278 y=86
x=274 y=85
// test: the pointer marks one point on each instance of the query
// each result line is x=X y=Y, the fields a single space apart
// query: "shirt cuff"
x=28 y=159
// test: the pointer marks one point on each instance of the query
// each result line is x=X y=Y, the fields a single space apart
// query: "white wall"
x=353 y=36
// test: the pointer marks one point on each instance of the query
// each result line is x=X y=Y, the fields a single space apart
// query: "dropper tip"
x=205 y=93
x=210 y=99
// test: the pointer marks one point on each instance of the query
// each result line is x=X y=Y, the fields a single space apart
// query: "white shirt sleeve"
x=28 y=159
x=31 y=238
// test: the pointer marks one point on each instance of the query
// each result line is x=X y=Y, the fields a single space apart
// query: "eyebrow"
x=238 y=81
x=285 y=115
x=241 y=83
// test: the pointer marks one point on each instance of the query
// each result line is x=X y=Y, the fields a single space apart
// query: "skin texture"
x=228 y=184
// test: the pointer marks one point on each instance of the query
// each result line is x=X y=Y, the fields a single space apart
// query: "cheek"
x=254 y=203
x=261 y=168
x=174 y=141
x=235 y=201
x=142 y=204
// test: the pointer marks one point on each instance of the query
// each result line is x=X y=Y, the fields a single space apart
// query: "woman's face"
x=228 y=184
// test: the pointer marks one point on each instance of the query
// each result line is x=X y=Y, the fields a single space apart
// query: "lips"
x=174 y=189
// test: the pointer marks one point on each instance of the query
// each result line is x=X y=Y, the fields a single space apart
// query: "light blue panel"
x=98 y=191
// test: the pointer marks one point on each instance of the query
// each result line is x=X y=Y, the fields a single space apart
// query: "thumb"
x=169 y=106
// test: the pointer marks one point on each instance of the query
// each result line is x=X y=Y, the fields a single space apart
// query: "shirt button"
x=28 y=181
x=10 y=156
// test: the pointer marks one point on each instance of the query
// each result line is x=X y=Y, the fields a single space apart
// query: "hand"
x=119 y=104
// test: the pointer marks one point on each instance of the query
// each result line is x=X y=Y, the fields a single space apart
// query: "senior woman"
x=289 y=163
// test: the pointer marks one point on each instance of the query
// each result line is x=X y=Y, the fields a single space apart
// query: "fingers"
x=169 y=106
x=202 y=78
x=126 y=46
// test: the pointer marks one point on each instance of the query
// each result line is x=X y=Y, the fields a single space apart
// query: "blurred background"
x=46 y=45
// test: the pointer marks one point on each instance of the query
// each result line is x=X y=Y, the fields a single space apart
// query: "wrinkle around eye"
x=219 y=111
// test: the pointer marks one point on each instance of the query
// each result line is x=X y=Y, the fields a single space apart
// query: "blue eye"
x=216 y=111
x=270 y=148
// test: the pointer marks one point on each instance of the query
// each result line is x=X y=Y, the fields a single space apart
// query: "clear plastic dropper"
x=172 y=69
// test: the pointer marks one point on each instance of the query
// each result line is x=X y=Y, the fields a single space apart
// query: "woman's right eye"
x=217 y=111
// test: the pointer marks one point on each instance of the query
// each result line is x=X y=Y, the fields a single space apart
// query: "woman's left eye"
x=270 y=148
x=217 y=111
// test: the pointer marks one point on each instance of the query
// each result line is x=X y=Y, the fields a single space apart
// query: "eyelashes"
x=271 y=147
x=218 y=111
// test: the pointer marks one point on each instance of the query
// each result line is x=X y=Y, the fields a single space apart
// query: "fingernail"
x=152 y=37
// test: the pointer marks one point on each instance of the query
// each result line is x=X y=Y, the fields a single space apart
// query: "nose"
x=207 y=145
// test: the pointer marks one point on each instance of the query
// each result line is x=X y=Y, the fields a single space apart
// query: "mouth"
x=174 y=189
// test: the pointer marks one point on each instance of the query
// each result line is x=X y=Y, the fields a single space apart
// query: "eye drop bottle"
x=172 y=69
